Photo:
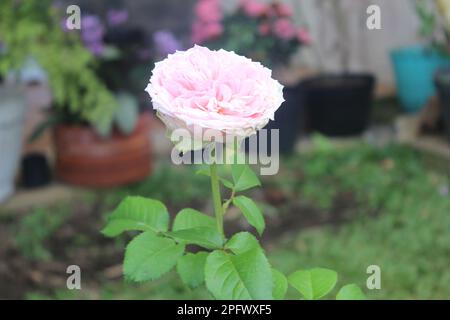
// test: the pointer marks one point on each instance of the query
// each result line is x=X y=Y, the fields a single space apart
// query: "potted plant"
x=115 y=152
x=415 y=66
x=96 y=139
x=339 y=104
x=264 y=32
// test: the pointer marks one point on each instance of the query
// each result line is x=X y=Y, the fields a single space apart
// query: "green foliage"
x=190 y=218
x=434 y=24
x=206 y=237
x=243 y=177
x=35 y=229
x=350 y=292
x=251 y=212
x=191 y=268
x=137 y=213
x=125 y=117
x=235 y=269
x=127 y=113
x=427 y=18
x=313 y=283
x=240 y=276
x=33 y=28
x=241 y=242
x=149 y=256
x=280 y=285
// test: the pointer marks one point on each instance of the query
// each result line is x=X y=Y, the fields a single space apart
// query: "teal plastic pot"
x=414 y=69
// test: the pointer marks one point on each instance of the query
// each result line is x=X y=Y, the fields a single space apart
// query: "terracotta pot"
x=83 y=158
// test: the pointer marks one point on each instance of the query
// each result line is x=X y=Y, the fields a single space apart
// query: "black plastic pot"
x=288 y=119
x=442 y=81
x=339 y=105
x=35 y=171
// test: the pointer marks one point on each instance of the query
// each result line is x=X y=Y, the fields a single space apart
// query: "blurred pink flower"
x=208 y=21
x=284 y=29
x=198 y=35
x=285 y=10
x=303 y=36
x=203 y=31
x=254 y=8
x=213 y=29
x=208 y=10
x=264 y=29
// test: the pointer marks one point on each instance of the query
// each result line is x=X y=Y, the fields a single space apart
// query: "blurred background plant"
x=122 y=55
x=32 y=28
x=435 y=23
x=263 y=31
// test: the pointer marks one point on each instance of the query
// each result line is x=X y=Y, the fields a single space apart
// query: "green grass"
x=36 y=228
x=169 y=183
x=409 y=239
x=169 y=287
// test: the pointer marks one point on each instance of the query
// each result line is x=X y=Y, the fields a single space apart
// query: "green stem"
x=215 y=187
x=228 y=202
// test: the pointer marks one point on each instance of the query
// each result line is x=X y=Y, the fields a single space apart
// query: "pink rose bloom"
x=254 y=8
x=303 y=36
x=284 y=29
x=217 y=90
x=208 y=10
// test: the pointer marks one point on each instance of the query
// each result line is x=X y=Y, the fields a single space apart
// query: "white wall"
x=368 y=50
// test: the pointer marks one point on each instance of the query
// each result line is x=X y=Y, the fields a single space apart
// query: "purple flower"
x=165 y=42
x=116 y=17
x=91 y=22
x=96 y=48
x=92 y=33
x=64 y=25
